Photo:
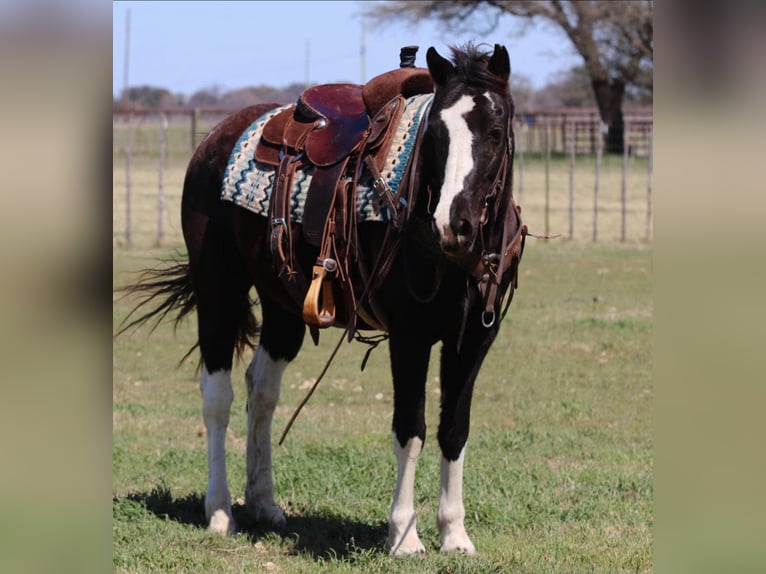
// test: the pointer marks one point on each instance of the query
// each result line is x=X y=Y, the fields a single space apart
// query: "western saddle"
x=342 y=131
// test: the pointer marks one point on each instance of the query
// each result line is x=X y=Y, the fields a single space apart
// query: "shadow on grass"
x=320 y=536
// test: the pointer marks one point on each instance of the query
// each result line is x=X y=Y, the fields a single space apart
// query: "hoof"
x=460 y=544
x=222 y=523
x=272 y=516
x=408 y=546
x=401 y=551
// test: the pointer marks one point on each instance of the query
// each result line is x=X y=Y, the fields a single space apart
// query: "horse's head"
x=468 y=143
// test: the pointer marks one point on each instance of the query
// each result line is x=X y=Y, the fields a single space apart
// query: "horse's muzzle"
x=457 y=237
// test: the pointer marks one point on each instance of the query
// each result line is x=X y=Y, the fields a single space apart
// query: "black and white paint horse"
x=455 y=266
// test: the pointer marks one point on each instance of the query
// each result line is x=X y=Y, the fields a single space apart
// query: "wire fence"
x=563 y=180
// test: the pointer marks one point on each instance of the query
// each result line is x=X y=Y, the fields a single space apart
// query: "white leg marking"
x=217 y=396
x=451 y=514
x=402 y=525
x=459 y=161
x=264 y=382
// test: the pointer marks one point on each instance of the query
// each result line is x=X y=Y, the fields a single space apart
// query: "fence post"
x=128 y=153
x=624 y=185
x=521 y=159
x=160 y=181
x=194 y=122
x=599 y=145
x=571 y=179
x=547 y=174
x=593 y=134
x=649 y=198
x=564 y=126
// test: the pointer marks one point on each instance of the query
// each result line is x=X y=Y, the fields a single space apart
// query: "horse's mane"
x=470 y=62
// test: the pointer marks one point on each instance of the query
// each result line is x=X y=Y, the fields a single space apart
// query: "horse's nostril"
x=464 y=228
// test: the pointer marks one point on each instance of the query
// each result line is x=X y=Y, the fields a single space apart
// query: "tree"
x=570 y=89
x=615 y=39
x=523 y=92
x=149 y=97
x=206 y=97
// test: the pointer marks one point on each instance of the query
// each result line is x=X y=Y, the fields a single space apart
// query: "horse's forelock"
x=471 y=68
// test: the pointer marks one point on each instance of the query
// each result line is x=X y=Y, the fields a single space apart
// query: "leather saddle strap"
x=405 y=196
x=377 y=147
x=320 y=200
x=281 y=236
x=401 y=206
x=380 y=186
x=327 y=266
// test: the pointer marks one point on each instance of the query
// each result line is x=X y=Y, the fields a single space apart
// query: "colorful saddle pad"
x=249 y=184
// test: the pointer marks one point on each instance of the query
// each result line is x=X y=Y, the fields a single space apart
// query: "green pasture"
x=559 y=467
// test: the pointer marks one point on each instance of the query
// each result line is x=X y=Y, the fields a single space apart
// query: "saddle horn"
x=407 y=56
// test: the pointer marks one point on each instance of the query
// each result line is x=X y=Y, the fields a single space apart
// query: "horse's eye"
x=495 y=136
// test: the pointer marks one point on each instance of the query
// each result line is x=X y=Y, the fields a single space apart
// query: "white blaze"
x=491 y=101
x=459 y=160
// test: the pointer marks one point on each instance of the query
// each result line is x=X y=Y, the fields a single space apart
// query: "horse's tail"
x=169 y=289
x=161 y=291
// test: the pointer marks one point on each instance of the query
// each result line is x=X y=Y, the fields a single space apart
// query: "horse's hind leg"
x=218 y=313
x=224 y=318
x=281 y=339
x=217 y=396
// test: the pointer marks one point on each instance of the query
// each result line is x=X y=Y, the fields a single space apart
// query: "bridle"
x=493 y=265
x=495 y=260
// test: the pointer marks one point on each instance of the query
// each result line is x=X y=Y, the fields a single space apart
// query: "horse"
x=442 y=268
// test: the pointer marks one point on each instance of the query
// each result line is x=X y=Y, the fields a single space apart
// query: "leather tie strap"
x=380 y=186
x=281 y=237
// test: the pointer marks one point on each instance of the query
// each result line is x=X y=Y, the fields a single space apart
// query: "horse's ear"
x=500 y=63
x=440 y=68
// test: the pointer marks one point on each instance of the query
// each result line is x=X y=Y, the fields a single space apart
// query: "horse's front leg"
x=217 y=396
x=409 y=365
x=458 y=374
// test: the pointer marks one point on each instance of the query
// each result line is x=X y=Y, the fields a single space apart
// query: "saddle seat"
x=340 y=118
x=329 y=121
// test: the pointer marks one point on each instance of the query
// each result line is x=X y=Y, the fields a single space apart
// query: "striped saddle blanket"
x=249 y=184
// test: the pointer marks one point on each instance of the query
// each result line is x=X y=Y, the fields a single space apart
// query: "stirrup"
x=321 y=286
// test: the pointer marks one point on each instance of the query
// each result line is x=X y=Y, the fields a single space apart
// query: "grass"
x=559 y=468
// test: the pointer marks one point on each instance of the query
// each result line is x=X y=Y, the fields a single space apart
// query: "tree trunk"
x=615 y=135
x=609 y=96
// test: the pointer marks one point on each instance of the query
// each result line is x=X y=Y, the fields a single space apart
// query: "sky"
x=188 y=46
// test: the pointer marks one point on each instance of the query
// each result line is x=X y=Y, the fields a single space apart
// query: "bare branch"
x=614 y=39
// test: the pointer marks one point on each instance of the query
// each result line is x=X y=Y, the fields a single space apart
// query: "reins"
x=402 y=206
x=359 y=303
x=438 y=276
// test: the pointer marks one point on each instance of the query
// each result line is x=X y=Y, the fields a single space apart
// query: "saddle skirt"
x=249 y=183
